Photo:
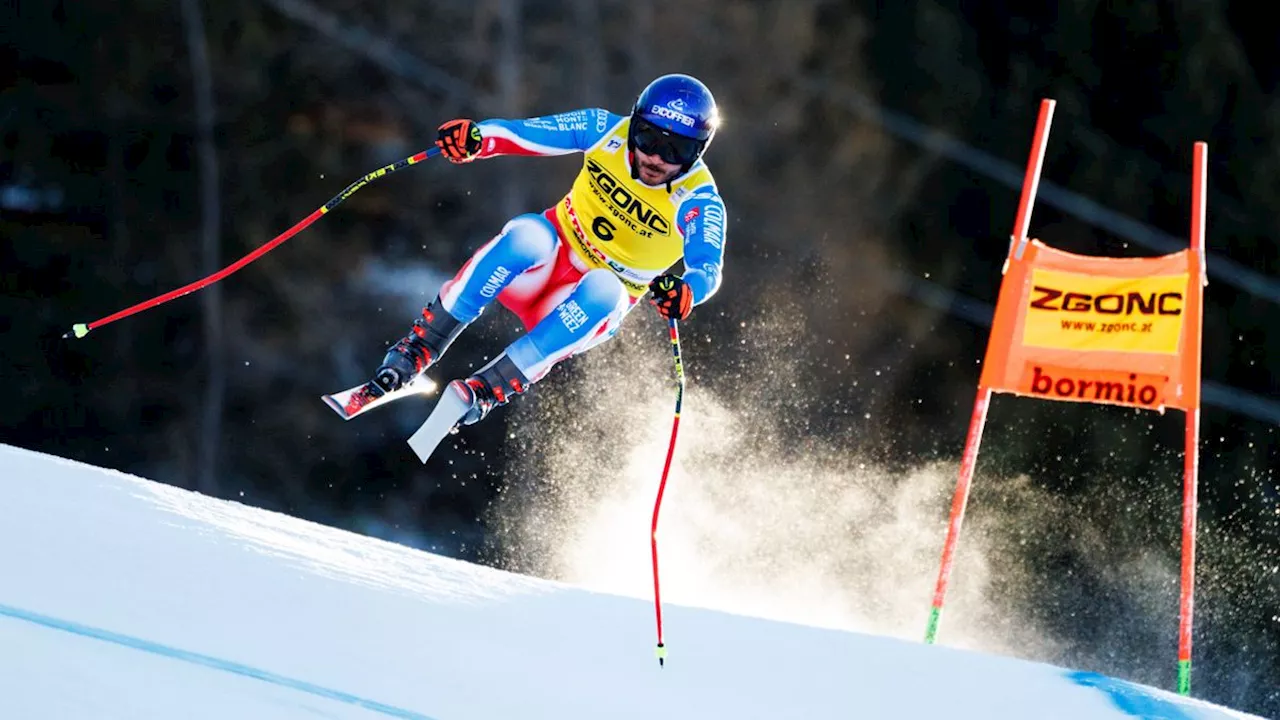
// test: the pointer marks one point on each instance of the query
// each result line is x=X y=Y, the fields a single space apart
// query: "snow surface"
x=125 y=598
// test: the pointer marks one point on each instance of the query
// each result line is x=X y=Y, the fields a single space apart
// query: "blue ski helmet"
x=675 y=117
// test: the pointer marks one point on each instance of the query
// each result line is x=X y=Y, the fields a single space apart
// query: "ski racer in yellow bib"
x=643 y=201
x=616 y=222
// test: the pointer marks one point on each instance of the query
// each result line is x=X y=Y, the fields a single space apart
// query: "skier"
x=643 y=200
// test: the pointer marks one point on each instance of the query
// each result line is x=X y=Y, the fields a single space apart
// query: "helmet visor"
x=653 y=140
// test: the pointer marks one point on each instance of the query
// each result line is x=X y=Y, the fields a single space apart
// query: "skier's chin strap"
x=635 y=168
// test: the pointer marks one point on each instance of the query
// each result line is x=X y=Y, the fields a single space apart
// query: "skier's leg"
x=589 y=314
x=525 y=244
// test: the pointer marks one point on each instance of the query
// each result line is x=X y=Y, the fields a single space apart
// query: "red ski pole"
x=662 y=486
x=82 y=329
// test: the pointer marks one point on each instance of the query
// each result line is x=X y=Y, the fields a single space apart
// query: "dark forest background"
x=144 y=144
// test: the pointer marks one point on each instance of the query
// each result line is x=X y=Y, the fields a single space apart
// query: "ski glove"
x=459 y=140
x=671 y=296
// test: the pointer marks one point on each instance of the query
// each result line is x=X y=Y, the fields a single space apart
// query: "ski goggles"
x=653 y=140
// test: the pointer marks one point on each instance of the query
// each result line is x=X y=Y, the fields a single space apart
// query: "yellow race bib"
x=619 y=223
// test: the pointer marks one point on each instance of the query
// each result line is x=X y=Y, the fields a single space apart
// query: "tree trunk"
x=510 y=97
x=586 y=16
x=641 y=36
x=210 y=429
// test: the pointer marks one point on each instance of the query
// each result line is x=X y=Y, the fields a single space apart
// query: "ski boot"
x=494 y=385
x=431 y=336
x=467 y=402
x=420 y=349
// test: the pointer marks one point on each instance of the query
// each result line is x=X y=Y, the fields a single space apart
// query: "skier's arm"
x=558 y=134
x=702 y=221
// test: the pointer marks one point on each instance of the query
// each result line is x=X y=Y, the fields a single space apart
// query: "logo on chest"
x=626 y=206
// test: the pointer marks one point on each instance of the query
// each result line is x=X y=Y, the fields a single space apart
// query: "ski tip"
x=442 y=422
x=335 y=406
x=79 y=330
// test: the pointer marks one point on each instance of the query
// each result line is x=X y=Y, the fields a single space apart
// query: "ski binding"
x=368 y=395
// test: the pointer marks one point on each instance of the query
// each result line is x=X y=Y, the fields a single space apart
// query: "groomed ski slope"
x=124 y=598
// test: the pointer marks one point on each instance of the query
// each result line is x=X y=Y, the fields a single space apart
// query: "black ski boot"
x=432 y=335
x=495 y=384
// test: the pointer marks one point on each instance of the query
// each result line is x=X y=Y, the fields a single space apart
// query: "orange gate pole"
x=1191 y=455
x=969 y=461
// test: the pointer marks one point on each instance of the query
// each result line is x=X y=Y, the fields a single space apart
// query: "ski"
x=453 y=405
x=367 y=395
